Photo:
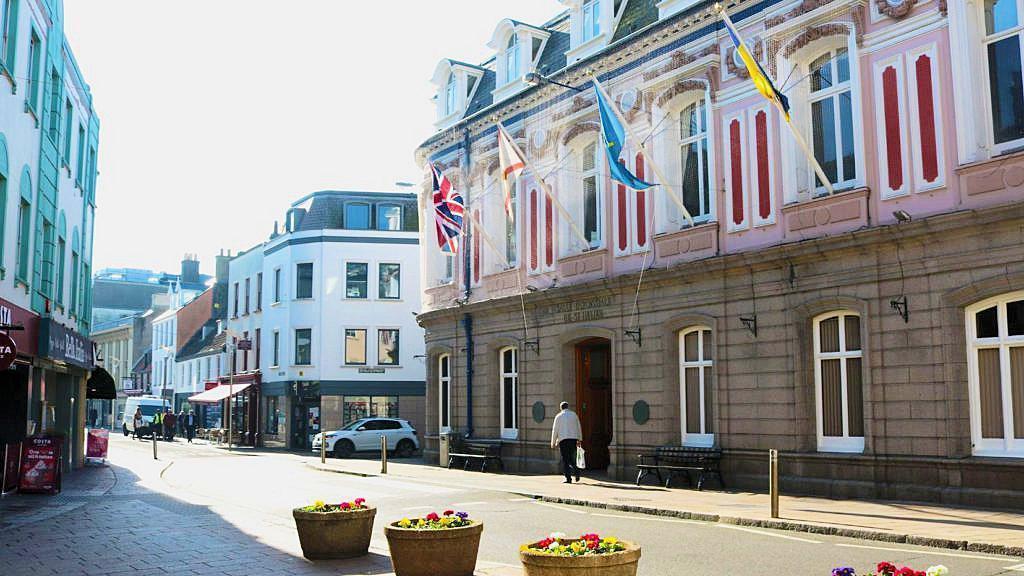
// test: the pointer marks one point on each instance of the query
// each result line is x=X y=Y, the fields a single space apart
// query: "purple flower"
x=462 y=515
x=844 y=571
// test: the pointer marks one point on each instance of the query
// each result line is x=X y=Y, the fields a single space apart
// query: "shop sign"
x=581 y=310
x=40 y=465
x=96 y=445
x=65 y=345
x=368 y=370
x=27 y=337
x=8 y=351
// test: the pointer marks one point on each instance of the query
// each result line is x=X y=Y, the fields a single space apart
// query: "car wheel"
x=343 y=449
x=405 y=448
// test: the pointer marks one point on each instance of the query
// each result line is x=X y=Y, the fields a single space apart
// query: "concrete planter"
x=622 y=563
x=334 y=535
x=451 y=552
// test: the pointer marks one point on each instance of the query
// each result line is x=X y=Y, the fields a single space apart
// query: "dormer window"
x=591 y=19
x=451 y=95
x=512 y=59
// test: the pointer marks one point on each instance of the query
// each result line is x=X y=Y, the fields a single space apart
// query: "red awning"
x=218 y=393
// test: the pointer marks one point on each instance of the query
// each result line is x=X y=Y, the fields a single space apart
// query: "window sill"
x=10 y=78
x=18 y=281
x=301 y=366
x=32 y=112
x=509 y=434
x=310 y=299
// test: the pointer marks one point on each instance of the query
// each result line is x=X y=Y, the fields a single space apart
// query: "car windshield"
x=149 y=410
x=354 y=425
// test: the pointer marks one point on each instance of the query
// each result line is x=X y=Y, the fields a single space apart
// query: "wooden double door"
x=594 y=399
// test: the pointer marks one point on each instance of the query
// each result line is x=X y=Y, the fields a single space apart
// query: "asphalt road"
x=268 y=485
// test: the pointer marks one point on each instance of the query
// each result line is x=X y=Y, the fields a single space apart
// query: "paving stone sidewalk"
x=108 y=522
x=999 y=532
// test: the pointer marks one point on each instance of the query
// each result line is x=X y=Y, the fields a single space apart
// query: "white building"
x=331 y=309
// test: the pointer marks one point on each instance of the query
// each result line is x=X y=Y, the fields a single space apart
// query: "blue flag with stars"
x=614 y=136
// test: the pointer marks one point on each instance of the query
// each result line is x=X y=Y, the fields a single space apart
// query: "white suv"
x=364 y=436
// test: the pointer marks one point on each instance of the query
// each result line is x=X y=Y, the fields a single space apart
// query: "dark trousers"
x=568 y=450
x=191 y=431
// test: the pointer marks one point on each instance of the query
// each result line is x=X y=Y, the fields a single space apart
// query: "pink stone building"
x=874 y=335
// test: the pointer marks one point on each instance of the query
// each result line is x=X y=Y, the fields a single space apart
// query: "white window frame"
x=512 y=58
x=295 y=347
x=451 y=95
x=1007 y=446
x=577 y=177
x=368 y=283
x=386 y=205
x=277 y=349
x=670 y=157
x=387 y=298
x=834 y=93
x=398 y=340
x=704 y=360
x=590 y=11
x=444 y=383
x=844 y=443
x=511 y=228
x=366 y=346
x=277 y=286
x=504 y=371
x=986 y=40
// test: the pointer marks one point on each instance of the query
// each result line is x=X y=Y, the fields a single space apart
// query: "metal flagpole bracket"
x=636 y=336
x=532 y=344
x=899 y=304
x=750 y=323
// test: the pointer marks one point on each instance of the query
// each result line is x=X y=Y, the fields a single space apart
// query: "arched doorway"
x=594 y=399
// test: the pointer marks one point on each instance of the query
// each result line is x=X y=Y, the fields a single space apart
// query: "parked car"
x=150 y=405
x=364 y=436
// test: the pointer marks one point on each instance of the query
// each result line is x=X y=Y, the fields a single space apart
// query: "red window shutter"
x=764 y=191
x=621 y=216
x=641 y=205
x=549 y=231
x=926 y=118
x=476 y=249
x=533 y=230
x=737 y=172
x=893 y=146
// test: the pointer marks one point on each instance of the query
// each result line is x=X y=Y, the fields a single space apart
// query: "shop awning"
x=100 y=385
x=214 y=395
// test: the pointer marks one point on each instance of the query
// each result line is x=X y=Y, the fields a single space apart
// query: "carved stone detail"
x=804 y=7
x=579 y=103
x=678 y=60
x=812 y=34
x=741 y=71
x=895 y=8
x=581 y=128
x=943 y=9
x=679 y=88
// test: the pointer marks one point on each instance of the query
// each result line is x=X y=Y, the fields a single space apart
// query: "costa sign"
x=8 y=351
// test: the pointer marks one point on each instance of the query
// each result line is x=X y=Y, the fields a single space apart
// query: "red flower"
x=592 y=544
x=906 y=571
x=886 y=568
x=345 y=505
x=545 y=542
x=433 y=517
x=591 y=537
x=359 y=501
x=449 y=512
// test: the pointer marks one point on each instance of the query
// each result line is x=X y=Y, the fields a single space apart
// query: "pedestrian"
x=181 y=422
x=137 y=424
x=566 y=434
x=190 y=426
x=94 y=415
x=156 y=425
x=169 y=425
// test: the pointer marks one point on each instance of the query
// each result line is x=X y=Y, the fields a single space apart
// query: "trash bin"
x=442 y=448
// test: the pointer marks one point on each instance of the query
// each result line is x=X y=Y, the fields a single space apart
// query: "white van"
x=149 y=405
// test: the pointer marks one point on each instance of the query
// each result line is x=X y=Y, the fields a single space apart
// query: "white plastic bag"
x=581 y=458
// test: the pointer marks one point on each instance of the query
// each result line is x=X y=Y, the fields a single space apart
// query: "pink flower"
x=359 y=501
x=345 y=505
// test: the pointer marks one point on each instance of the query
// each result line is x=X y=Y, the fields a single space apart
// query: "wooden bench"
x=680 y=460
x=483 y=451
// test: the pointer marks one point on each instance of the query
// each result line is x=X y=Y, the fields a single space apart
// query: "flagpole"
x=547 y=190
x=778 y=105
x=640 y=147
x=488 y=240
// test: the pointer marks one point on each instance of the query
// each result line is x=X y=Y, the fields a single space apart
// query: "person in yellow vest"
x=157 y=424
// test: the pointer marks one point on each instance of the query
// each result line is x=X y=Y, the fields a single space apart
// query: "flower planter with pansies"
x=890 y=569
x=334 y=531
x=435 y=544
x=588 y=555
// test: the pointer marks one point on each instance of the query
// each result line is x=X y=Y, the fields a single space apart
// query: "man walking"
x=190 y=425
x=169 y=425
x=566 y=434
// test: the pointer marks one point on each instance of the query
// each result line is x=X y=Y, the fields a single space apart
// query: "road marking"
x=765 y=533
x=562 y=508
x=1017 y=568
x=930 y=553
x=464 y=504
x=651 y=518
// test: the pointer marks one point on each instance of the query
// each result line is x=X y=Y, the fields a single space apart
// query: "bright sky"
x=217 y=114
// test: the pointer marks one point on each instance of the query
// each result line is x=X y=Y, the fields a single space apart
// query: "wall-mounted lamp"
x=636 y=336
x=902 y=216
x=531 y=288
x=899 y=304
x=750 y=323
x=535 y=79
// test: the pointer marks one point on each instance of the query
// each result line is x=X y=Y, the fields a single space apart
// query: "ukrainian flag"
x=757 y=74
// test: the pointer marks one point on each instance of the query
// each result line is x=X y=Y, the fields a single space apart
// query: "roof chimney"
x=190 y=269
x=222 y=266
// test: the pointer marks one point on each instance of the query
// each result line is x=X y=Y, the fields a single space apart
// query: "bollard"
x=323 y=447
x=773 y=480
x=383 y=454
x=154 y=443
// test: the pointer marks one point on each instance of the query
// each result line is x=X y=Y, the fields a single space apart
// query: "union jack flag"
x=449 y=210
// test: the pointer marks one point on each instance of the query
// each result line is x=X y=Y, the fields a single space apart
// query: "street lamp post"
x=243 y=345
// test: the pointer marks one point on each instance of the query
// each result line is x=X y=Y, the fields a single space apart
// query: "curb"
x=788 y=525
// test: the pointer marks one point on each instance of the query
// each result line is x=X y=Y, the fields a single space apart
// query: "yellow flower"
x=404 y=523
x=318 y=504
x=611 y=541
